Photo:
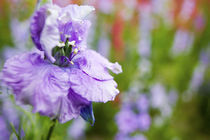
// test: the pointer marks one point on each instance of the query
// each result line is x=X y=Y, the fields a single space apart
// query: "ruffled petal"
x=92 y=89
x=36 y=82
x=71 y=106
x=95 y=65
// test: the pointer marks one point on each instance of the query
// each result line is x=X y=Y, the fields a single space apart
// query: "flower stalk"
x=51 y=129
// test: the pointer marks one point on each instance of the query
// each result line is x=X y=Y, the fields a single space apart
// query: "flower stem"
x=51 y=129
x=38 y=4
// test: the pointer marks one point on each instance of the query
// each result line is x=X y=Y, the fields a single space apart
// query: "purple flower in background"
x=104 y=45
x=197 y=77
x=139 y=137
x=4 y=132
x=20 y=36
x=158 y=96
x=121 y=136
x=144 y=121
x=9 y=115
x=182 y=42
x=63 y=83
x=205 y=56
x=143 y=103
x=126 y=120
x=133 y=118
x=163 y=101
x=77 y=129
x=199 y=22
x=145 y=26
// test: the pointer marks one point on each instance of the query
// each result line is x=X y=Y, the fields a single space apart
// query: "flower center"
x=64 y=53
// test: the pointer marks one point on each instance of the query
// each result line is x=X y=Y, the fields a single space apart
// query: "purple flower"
x=68 y=78
x=144 y=121
x=126 y=120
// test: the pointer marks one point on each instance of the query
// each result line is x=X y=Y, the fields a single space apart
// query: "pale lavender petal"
x=75 y=12
x=95 y=65
x=92 y=89
x=50 y=35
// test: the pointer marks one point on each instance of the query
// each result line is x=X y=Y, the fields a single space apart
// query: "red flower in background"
x=117 y=35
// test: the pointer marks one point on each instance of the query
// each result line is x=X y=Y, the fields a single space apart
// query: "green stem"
x=51 y=129
x=38 y=4
x=14 y=130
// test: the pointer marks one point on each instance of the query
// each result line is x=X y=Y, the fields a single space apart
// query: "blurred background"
x=164 y=49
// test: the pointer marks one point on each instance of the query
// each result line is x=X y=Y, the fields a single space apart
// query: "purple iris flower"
x=65 y=81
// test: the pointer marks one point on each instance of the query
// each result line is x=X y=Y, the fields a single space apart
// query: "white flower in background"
x=163 y=101
x=144 y=66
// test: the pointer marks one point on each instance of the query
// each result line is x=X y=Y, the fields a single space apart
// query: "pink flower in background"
x=106 y=6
